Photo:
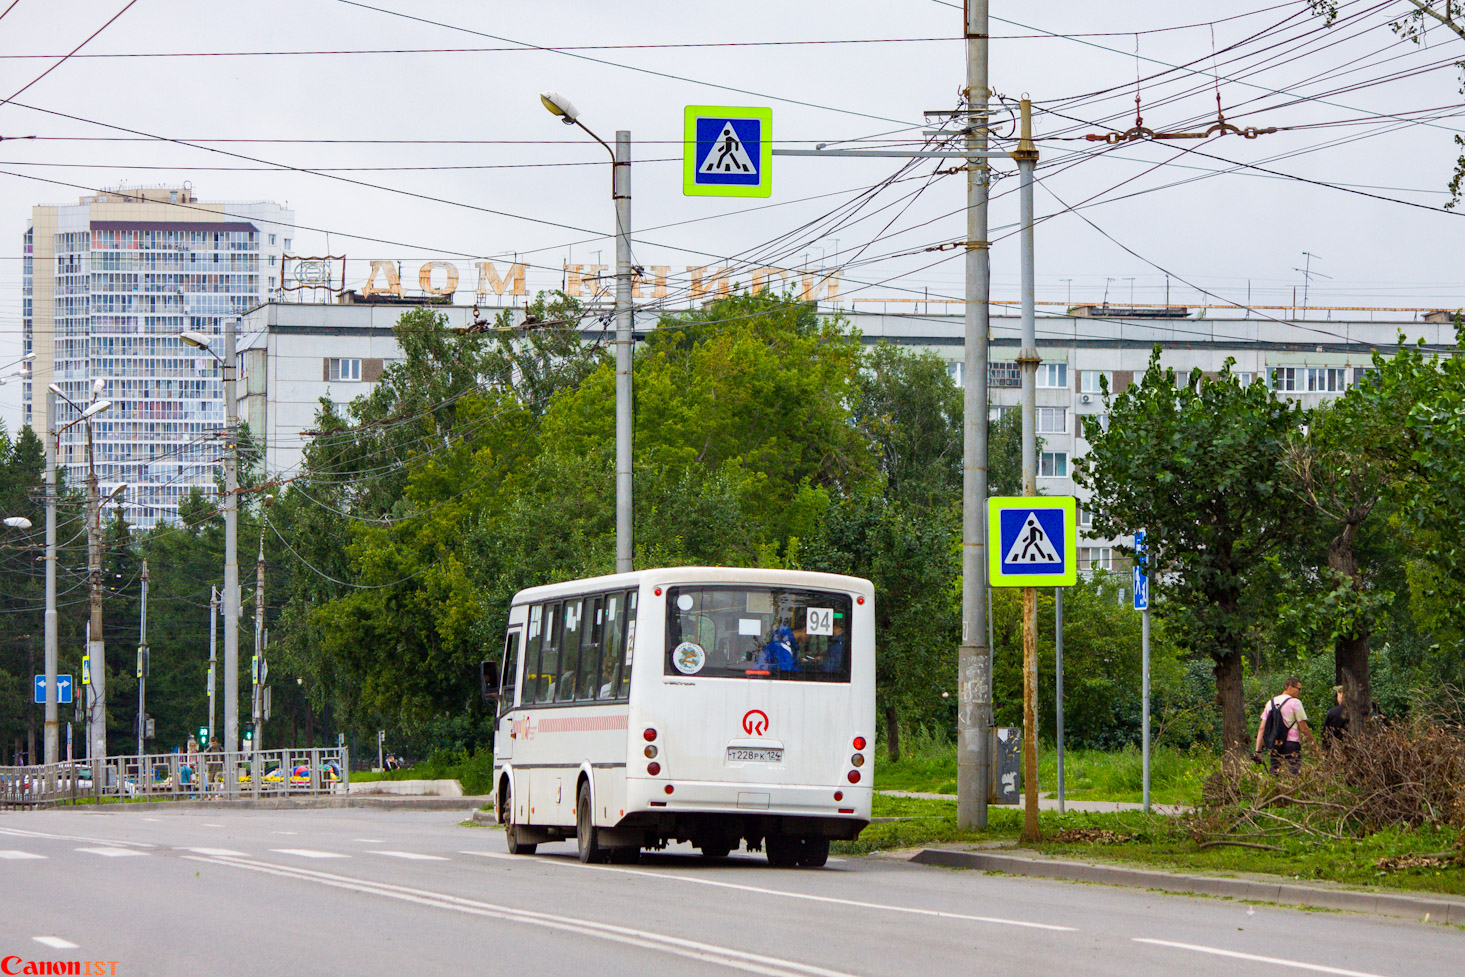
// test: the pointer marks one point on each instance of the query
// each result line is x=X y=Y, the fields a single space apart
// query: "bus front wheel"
x=511 y=830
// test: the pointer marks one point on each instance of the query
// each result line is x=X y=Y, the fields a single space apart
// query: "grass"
x=1093 y=775
x=1161 y=842
x=474 y=772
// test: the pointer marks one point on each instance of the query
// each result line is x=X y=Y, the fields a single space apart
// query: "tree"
x=1198 y=466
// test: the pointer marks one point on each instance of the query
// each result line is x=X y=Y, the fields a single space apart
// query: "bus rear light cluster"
x=859 y=600
x=650 y=752
x=858 y=759
x=653 y=768
x=649 y=735
x=854 y=776
x=859 y=742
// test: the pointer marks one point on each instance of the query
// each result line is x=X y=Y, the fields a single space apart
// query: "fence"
x=178 y=776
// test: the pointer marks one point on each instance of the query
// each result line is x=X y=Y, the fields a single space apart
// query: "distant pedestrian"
x=1282 y=726
x=1335 y=724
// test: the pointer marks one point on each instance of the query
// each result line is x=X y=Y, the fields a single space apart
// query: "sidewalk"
x=1051 y=803
x=1424 y=906
x=379 y=801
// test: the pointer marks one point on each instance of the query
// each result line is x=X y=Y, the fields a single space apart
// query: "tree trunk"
x=892 y=735
x=1350 y=652
x=1229 y=696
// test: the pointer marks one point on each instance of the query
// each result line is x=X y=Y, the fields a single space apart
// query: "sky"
x=435 y=144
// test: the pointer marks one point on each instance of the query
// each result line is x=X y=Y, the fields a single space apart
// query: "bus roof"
x=667 y=576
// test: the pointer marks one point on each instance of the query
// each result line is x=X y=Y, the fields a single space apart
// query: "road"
x=184 y=893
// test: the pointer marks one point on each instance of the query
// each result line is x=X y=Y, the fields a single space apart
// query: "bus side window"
x=509 y=674
x=549 y=658
x=613 y=641
x=589 y=681
x=569 y=651
x=532 y=642
x=629 y=644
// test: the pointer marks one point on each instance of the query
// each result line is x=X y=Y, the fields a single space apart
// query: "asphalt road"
x=366 y=892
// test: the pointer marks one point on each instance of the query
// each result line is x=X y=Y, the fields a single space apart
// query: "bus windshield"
x=758 y=632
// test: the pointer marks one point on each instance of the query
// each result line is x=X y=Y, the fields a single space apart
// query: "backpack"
x=1274 y=732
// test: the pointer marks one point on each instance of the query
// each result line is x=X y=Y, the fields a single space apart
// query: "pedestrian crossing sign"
x=727 y=151
x=1033 y=541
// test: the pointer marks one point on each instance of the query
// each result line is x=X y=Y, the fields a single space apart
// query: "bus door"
x=508 y=686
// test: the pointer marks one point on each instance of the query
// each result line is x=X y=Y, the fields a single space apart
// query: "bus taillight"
x=653 y=768
x=649 y=735
x=650 y=752
x=854 y=776
x=859 y=742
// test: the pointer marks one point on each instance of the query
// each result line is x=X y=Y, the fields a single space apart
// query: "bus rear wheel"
x=814 y=852
x=783 y=850
x=511 y=830
x=586 y=836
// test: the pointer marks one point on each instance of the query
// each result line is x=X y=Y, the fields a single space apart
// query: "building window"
x=1102 y=420
x=1285 y=378
x=343 y=369
x=1085 y=517
x=1053 y=464
x=1095 y=558
x=272 y=240
x=287 y=244
x=953 y=370
x=1089 y=381
x=1052 y=420
x=1242 y=377
x=1326 y=380
x=996 y=412
x=1364 y=374
x=1052 y=375
x=1003 y=375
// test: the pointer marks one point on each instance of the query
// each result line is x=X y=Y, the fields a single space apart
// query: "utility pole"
x=142 y=665
x=53 y=727
x=974 y=656
x=621 y=191
x=96 y=646
x=213 y=658
x=259 y=670
x=1026 y=156
x=231 y=558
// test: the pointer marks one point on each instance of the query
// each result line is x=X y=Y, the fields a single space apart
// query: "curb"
x=378 y=802
x=486 y=818
x=1438 y=910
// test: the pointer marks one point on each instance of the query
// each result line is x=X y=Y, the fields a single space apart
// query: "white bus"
x=715 y=706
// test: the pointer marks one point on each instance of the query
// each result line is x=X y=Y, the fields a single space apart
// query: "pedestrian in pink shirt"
x=1282 y=726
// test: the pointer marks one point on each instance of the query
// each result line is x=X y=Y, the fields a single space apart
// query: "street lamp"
x=620 y=157
x=96 y=646
x=17 y=522
x=204 y=342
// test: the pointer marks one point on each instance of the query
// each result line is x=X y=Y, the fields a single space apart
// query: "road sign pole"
x=974 y=657
x=1144 y=646
x=1026 y=156
x=1058 y=684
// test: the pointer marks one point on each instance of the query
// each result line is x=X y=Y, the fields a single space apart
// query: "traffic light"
x=203 y=736
x=248 y=730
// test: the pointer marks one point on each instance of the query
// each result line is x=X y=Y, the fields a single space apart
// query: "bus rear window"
x=766 y=633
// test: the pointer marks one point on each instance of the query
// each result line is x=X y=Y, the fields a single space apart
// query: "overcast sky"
x=526 y=185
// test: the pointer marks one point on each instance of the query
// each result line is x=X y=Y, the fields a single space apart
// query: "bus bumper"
x=644 y=794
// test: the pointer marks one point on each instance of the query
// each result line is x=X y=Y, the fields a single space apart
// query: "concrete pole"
x=231 y=559
x=257 y=692
x=213 y=657
x=974 y=656
x=96 y=646
x=1027 y=358
x=52 y=737
x=1058 y=684
x=142 y=665
x=621 y=191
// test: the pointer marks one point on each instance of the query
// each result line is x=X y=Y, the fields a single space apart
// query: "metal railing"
x=178 y=776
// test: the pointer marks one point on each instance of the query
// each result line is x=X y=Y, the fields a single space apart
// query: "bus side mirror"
x=488 y=681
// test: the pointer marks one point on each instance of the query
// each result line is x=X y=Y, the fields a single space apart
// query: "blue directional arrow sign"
x=63 y=689
x=1032 y=541
x=1141 y=577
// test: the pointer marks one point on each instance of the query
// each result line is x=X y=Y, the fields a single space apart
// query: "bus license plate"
x=743 y=754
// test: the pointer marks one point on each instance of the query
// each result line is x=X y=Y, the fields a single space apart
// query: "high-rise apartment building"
x=109 y=284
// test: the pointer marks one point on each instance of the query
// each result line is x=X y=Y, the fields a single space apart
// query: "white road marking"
x=154 y=820
x=13 y=854
x=309 y=853
x=55 y=942
x=23 y=833
x=206 y=824
x=284 y=832
x=219 y=852
x=413 y=855
x=371 y=841
x=756 y=963
x=1274 y=961
x=111 y=852
x=883 y=907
